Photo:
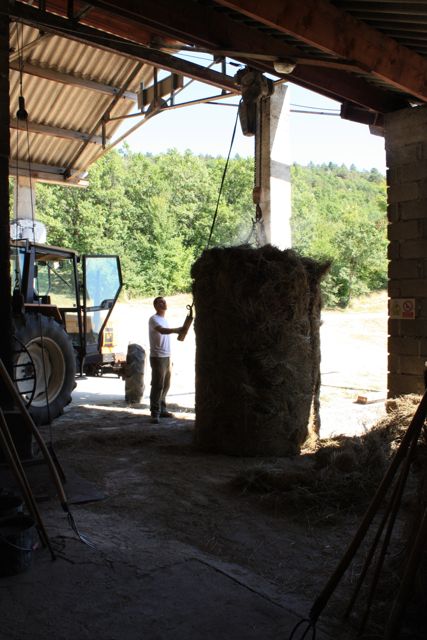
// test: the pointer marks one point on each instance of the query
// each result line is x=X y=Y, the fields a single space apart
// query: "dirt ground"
x=166 y=505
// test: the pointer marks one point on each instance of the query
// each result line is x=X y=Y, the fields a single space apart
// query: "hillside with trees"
x=156 y=212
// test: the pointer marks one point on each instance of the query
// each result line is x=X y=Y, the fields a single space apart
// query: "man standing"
x=160 y=360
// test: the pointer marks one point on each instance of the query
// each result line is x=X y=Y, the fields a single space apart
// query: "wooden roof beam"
x=171 y=23
x=91 y=16
x=69 y=79
x=339 y=86
x=324 y=26
x=56 y=132
x=46 y=173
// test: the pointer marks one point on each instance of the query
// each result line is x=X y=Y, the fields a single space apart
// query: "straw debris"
x=341 y=473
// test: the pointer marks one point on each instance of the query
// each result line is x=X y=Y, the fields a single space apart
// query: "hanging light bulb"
x=21 y=114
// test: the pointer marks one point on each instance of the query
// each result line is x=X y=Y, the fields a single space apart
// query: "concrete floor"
x=136 y=585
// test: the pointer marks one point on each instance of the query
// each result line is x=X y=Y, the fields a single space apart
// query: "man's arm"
x=165 y=331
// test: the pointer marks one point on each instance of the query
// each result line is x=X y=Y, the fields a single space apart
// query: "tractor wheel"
x=45 y=371
x=134 y=374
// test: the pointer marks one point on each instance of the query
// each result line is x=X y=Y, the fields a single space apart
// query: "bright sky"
x=207 y=129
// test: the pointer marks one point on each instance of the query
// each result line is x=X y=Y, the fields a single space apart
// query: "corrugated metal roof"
x=404 y=21
x=63 y=102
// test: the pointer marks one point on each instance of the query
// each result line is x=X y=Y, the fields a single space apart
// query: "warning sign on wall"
x=402 y=308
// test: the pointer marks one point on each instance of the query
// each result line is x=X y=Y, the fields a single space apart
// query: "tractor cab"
x=56 y=292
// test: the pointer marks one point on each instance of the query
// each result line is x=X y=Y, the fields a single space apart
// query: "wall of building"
x=406 y=155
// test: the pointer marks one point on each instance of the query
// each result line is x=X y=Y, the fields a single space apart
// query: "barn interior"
x=107 y=562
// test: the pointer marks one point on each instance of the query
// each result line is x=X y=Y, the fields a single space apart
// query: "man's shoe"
x=166 y=414
x=154 y=420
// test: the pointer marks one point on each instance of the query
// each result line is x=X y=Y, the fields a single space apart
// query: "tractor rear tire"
x=134 y=374
x=54 y=360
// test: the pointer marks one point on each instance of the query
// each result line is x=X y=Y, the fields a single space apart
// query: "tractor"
x=62 y=304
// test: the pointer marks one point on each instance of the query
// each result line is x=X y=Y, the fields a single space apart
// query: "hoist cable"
x=224 y=173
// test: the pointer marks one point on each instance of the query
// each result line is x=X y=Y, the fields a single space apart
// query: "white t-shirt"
x=159 y=342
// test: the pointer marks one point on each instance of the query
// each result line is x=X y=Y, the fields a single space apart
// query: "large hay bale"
x=257 y=349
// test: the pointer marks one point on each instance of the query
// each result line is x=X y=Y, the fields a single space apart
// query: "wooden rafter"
x=324 y=26
x=343 y=87
x=56 y=132
x=47 y=173
x=70 y=79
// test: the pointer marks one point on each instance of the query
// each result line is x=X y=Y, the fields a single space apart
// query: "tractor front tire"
x=134 y=374
x=54 y=360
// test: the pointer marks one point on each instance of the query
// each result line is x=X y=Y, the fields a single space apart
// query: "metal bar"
x=29 y=46
x=393 y=624
x=175 y=105
x=22 y=481
x=31 y=427
x=412 y=433
x=395 y=504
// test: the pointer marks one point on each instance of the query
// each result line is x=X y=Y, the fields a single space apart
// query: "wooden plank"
x=164 y=87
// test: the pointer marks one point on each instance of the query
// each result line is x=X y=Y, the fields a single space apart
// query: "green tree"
x=156 y=212
x=340 y=215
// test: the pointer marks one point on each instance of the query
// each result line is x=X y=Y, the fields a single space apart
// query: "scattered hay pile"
x=341 y=473
x=258 y=354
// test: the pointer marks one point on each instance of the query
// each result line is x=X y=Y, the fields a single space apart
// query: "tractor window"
x=102 y=282
x=56 y=280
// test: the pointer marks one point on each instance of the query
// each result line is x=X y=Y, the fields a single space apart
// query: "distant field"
x=353 y=348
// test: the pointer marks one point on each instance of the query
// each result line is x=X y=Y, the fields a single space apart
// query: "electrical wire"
x=305 y=106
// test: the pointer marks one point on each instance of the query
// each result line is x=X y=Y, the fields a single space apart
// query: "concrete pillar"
x=273 y=172
x=24 y=204
x=406 y=155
